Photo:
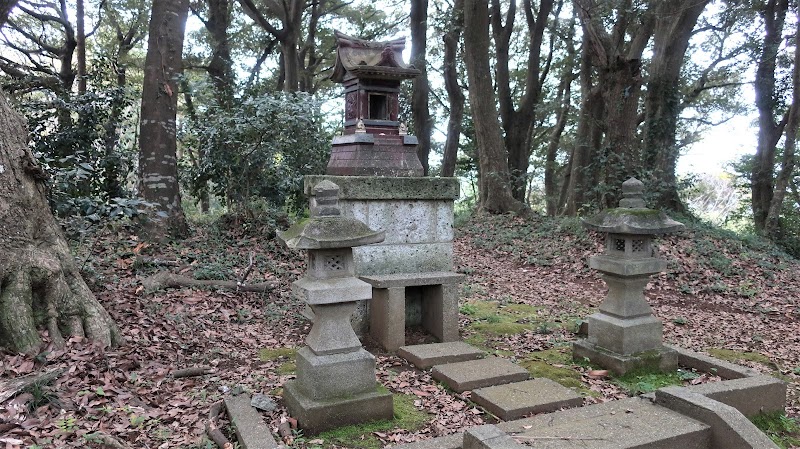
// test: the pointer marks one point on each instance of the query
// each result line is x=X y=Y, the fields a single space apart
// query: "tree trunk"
x=673 y=29
x=420 y=90
x=220 y=68
x=495 y=190
x=769 y=131
x=772 y=226
x=80 y=38
x=40 y=286
x=455 y=94
x=158 y=163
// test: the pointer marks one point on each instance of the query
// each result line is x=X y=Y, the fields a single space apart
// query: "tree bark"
x=420 y=89
x=40 y=286
x=455 y=94
x=220 y=68
x=495 y=187
x=673 y=28
x=158 y=163
x=772 y=227
x=769 y=130
x=80 y=45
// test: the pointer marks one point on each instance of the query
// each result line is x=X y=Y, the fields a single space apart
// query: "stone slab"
x=413 y=279
x=665 y=359
x=426 y=356
x=515 y=400
x=318 y=416
x=330 y=291
x=489 y=437
x=729 y=428
x=403 y=258
x=748 y=395
x=463 y=376
x=405 y=221
x=386 y=188
x=251 y=431
x=625 y=336
x=702 y=362
x=632 y=423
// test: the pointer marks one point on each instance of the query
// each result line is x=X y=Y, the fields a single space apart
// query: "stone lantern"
x=335 y=382
x=624 y=334
x=374 y=142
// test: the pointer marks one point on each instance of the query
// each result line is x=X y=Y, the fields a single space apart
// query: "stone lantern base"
x=659 y=359
x=335 y=390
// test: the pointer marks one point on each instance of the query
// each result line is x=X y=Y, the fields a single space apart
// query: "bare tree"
x=455 y=93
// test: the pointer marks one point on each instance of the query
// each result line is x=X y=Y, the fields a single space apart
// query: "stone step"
x=515 y=400
x=426 y=356
x=463 y=376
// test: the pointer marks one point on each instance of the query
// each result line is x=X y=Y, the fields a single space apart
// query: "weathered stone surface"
x=412 y=279
x=332 y=332
x=263 y=402
x=387 y=317
x=463 y=376
x=251 y=431
x=489 y=437
x=336 y=375
x=625 y=336
x=662 y=359
x=729 y=428
x=705 y=363
x=388 y=188
x=327 y=291
x=627 y=267
x=749 y=395
x=426 y=356
x=515 y=400
x=315 y=416
x=624 y=424
x=403 y=258
x=440 y=311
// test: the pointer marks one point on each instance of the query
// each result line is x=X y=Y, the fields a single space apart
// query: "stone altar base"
x=661 y=359
x=316 y=416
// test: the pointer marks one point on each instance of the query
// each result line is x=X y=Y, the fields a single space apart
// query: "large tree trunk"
x=158 y=164
x=673 y=29
x=455 y=94
x=495 y=187
x=419 y=96
x=220 y=68
x=769 y=130
x=40 y=286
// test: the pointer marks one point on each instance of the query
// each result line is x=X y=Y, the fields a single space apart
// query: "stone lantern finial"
x=632 y=191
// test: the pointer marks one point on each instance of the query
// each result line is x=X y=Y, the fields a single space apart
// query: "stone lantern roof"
x=326 y=228
x=632 y=217
x=359 y=58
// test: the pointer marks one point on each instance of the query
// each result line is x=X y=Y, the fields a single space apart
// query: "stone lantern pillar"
x=624 y=334
x=335 y=382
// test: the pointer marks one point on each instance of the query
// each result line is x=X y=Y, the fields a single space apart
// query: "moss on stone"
x=556 y=364
x=493 y=319
x=361 y=436
x=729 y=355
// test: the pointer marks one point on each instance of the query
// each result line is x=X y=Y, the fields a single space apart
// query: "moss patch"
x=406 y=416
x=729 y=355
x=782 y=430
x=556 y=364
x=267 y=355
x=494 y=319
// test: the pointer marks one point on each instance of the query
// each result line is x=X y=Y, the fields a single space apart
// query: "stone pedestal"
x=416 y=215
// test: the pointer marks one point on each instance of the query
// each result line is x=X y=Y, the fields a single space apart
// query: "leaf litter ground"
x=719 y=293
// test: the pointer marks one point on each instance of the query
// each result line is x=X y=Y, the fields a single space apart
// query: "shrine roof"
x=368 y=59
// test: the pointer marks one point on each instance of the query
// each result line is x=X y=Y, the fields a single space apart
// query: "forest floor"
x=527 y=288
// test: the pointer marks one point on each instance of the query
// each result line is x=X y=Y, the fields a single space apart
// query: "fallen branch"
x=12 y=387
x=247 y=270
x=164 y=280
x=192 y=372
x=212 y=430
x=155 y=261
x=285 y=432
